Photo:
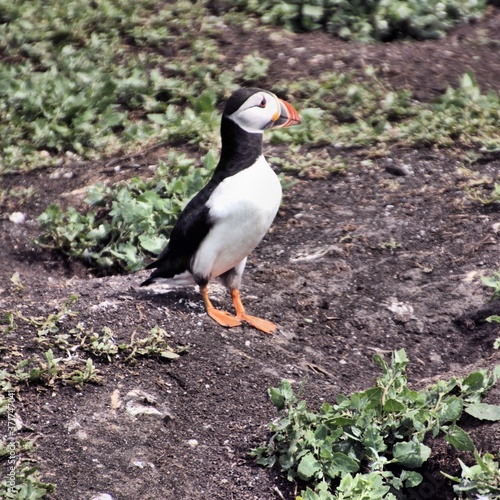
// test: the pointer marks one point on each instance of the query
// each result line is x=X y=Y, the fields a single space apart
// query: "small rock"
x=193 y=443
x=399 y=170
x=402 y=312
x=102 y=496
x=17 y=217
x=139 y=463
x=435 y=358
x=141 y=403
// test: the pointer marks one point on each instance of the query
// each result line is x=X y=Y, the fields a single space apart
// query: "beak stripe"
x=287 y=116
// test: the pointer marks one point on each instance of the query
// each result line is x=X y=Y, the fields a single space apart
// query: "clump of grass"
x=28 y=484
x=342 y=110
x=94 y=89
x=367 y=21
x=481 y=480
x=127 y=223
x=371 y=442
x=64 y=354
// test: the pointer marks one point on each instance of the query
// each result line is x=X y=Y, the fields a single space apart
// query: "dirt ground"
x=364 y=262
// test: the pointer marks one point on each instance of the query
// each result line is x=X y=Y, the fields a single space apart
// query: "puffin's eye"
x=262 y=103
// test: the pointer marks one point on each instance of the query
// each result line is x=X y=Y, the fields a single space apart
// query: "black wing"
x=187 y=234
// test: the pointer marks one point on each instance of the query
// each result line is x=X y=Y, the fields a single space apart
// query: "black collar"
x=240 y=149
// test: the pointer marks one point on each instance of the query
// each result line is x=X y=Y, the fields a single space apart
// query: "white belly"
x=242 y=208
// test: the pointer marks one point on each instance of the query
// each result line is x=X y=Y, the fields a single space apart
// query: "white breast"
x=242 y=208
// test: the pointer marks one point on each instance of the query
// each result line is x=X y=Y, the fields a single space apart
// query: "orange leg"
x=222 y=317
x=261 y=324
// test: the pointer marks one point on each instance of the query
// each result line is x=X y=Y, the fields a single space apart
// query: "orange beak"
x=287 y=117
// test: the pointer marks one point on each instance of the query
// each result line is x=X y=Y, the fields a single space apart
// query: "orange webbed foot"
x=261 y=324
x=223 y=318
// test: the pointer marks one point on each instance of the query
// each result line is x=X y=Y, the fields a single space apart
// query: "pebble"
x=17 y=217
x=398 y=170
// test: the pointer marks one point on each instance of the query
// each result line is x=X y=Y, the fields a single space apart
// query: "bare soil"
x=364 y=262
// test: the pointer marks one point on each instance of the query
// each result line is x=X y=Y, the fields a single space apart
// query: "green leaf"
x=367 y=400
x=484 y=411
x=411 y=454
x=392 y=406
x=400 y=357
x=373 y=438
x=341 y=464
x=153 y=244
x=308 y=467
x=475 y=381
x=458 y=438
x=452 y=409
x=411 y=478
x=281 y=396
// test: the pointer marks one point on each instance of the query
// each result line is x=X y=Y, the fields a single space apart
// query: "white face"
x=257 y=113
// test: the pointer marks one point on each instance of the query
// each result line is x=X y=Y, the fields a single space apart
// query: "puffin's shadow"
x=181 y=299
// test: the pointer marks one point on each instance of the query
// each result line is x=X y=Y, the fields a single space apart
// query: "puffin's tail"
x=149 y=281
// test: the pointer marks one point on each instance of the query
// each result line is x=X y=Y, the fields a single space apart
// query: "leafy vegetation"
x=368 y=113
x=28 y=485
x=64 y=91
x=367 y=21
x=62 y=353
x=369 y=444
x=96 y=88
x=128 y=221
x=493 y=195
x=493 y=282
x=482 y=480
x=49 y=352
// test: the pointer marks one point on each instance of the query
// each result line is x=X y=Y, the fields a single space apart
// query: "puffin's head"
x=256 y=110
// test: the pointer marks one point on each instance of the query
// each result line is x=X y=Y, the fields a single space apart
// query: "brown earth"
x=355 y=264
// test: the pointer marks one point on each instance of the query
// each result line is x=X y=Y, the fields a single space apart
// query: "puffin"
x=224 y=222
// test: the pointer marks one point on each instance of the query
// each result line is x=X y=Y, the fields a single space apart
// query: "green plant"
x=366 y=21
x=354 y=445
x=481 y=480
x=103 y=344
x=461 y=115
x=90 y=90
x=254 y=68
x=493 y=282
x=22 y=480
x=28 y=485
x=341 y=110
x=391 y=245
x=65 y=355
x=88 y=375
x=128 y=222
x=488 y=199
